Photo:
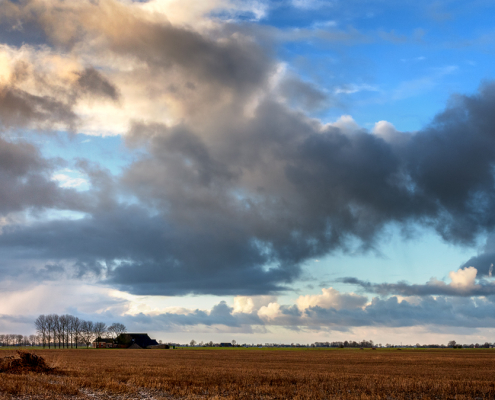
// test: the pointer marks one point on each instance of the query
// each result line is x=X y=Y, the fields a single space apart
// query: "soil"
x=23 y=363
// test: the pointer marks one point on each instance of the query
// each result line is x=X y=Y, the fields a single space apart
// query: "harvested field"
x=258 y=374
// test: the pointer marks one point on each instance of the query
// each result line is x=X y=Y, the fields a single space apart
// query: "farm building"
x=126 y=341
x=103 y=343
x=134 y=340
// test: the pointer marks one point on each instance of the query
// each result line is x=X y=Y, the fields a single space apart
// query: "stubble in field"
x=260 y=374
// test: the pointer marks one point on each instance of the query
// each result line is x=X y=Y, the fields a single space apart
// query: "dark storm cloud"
x=25 y=181
x=22 y=109
x=241 y=217
x=235 y=197
x=94 y=83
x=154 y=257
x=451 y=163
x=431 y=289
x=485 y=261
x=289 y=189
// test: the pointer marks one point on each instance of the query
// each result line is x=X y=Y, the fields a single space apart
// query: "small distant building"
x=100 y=343
x=225 y=344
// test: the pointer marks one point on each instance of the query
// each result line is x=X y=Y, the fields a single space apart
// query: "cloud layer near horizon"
x=330 y=311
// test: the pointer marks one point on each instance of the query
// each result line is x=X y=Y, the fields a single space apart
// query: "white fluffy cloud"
x=249 y=304
x=269 y=312
x=331 y=298
x=464 y=278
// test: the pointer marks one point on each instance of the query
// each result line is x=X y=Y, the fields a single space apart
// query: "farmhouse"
x=100 y=343
x=126 y=341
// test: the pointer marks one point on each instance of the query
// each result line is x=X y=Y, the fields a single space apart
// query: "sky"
x=260 y=171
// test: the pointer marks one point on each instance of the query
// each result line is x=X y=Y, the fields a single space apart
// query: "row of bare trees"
x=19 y=340
x=69 y=331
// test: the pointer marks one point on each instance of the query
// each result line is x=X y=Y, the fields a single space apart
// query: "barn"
x=135 y=340
x=126 y=341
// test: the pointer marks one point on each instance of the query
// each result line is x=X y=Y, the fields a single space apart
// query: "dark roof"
x=141 y=339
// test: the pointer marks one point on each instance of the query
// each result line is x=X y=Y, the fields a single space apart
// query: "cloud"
x=428 y=312
x=93 y=82
x=250 y=304
x=96 y=302
x=303 y=94
x=26 y=181
x=230 y=189
x=350 y=89
x=331 y=298
x=463 y=283
x=21 y=109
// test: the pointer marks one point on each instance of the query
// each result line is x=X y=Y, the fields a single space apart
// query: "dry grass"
x=259 y=374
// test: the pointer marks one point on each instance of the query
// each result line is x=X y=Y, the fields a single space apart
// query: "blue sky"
x=263 y=171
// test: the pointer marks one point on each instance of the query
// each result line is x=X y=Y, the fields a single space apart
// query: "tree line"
x=19 y=340
x=69 y=331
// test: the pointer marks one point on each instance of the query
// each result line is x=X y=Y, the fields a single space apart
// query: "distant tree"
x=77 y=329
x=64 y=322
x=57 y=330
x=193 y=343
x=452 y=343
x=111 y=331
x=41 y=327
x=234 y=342
x=99 y=329
x=116 y=329
x=49 y=329
x=87 y=332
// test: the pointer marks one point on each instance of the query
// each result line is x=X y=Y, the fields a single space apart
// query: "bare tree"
x=111 y=331
x=87 y=332
x=193 y=343
x=116 y=329
x=77 y=329
x=99 y=329
x=41 y=327
x=63 y=325
x=49 y=328
x=70 y=330
x=56 y=330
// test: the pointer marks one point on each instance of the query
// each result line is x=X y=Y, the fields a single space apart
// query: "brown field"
x=258 y=374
